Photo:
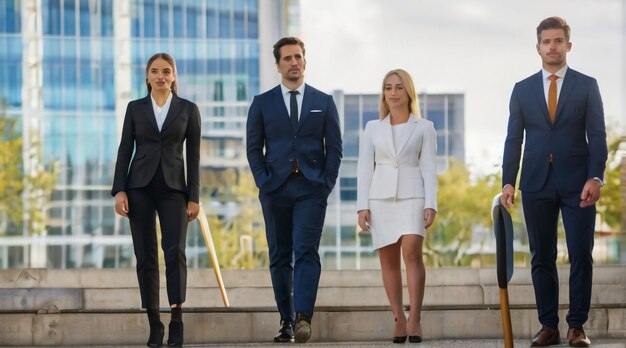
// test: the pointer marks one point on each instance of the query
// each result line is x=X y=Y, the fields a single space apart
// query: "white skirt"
x=392 y=218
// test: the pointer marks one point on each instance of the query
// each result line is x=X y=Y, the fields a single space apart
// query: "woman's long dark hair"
x=166 y=57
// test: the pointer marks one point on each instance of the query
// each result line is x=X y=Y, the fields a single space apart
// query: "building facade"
x=70 y=68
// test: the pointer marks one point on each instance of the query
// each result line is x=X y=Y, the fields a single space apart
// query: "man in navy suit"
x=294 y=151
x=565 y=154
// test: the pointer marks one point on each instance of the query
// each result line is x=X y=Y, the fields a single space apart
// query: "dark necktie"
x=293 y=108
x=552 y=98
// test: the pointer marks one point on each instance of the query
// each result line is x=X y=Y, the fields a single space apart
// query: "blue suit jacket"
x=576 y=142
x=273 y=144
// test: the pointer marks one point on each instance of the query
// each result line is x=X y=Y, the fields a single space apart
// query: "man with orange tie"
x=565 y=152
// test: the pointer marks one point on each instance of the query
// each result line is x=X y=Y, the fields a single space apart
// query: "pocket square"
x=316 y=110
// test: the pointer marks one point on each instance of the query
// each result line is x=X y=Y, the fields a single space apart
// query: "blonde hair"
x=407 y=83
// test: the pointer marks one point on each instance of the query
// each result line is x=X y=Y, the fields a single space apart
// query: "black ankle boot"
x=175 y=338
x=157 y=329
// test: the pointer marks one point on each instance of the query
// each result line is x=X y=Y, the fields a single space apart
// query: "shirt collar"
x=560 y=73
x=167 y=102
x=286 y=90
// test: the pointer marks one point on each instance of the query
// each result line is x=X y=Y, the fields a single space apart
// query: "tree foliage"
x=239 y=235
x=24 y=196
x=11 y=176
x=610 y=204
x=464 y=203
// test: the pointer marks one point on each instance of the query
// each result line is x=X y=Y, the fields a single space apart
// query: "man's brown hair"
x=289 y=40
x=553 y=23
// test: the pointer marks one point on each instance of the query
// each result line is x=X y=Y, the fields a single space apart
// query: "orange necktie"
x=552 y=98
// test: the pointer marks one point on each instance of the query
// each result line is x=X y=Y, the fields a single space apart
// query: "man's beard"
x=556 y=61
x=293 y=78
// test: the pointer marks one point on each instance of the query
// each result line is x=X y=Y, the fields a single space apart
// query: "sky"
x=476 y=47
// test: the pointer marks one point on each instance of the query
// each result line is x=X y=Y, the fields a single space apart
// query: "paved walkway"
x=476 y=343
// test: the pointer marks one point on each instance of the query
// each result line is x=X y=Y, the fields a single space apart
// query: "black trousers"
x=171 y=206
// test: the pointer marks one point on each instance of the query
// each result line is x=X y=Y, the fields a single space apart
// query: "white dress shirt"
x=559 y=82
x=287 y=98
x=160 y=112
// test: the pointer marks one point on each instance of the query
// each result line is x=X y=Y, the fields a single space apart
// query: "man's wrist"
x=599 y=180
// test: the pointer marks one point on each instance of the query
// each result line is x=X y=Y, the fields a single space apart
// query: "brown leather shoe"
x=577 y=338
x=547 y=336
x=302 y=332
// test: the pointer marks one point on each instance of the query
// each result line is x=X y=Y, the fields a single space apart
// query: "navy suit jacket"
x=273 y=144
x=151 y=147
x=576 y=143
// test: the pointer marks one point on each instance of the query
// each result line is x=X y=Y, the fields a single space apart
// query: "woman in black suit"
x=154 y=182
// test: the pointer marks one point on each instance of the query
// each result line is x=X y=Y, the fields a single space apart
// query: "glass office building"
x=69 y=67
x=342 y=247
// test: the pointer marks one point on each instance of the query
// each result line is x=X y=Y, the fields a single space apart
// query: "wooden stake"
x=206 y=232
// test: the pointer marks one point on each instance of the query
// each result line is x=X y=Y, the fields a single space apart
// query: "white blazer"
x=411 y=173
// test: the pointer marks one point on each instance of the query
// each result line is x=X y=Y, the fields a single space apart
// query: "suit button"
x=549 y=158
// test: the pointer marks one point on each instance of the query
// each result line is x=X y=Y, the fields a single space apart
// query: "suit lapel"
x=566 y=89
x=406 y=135
x=279 y=101
x=149 y=112
x=541 y=96
x=172 y=113
x=387 y=137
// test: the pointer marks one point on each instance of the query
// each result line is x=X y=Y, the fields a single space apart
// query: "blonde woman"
x=397 y=195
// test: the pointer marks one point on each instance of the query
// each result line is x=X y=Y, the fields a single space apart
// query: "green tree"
x=464 y=204
x=11 y=176
x=23 y=197
x=239 y=238
x=610 y=204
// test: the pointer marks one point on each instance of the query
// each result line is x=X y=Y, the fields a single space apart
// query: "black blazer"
x=141 y=134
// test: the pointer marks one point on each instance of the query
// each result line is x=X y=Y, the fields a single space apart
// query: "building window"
x=241 y=91
x=10 y=16
x=149 y=16
x=85 y=17
x=348 y=189
x=51 y=17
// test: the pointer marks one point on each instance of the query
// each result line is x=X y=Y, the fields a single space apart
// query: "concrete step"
x=87 y=306
x=117 y=289
x=338 y=324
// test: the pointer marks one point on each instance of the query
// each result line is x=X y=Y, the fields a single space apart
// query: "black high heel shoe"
x=415 y=339
x=157 y=330
x=398 y=339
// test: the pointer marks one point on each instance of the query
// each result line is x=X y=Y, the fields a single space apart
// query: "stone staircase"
x=101 y=307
